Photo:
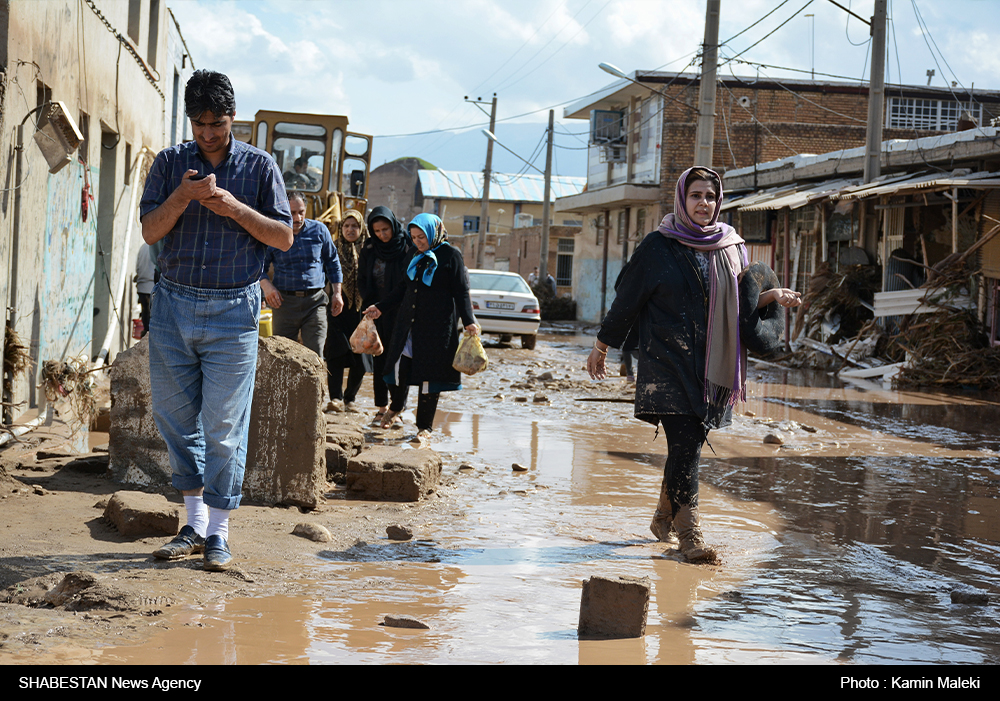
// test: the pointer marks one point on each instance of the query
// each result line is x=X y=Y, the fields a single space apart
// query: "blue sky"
x=404 y=66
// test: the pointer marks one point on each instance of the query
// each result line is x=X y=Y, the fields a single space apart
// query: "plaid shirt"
x=205 y=249
x=302 y=266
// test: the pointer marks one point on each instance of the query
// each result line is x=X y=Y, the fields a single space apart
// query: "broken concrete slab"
x=393 y=474
x=614 y=607
x=137 y=514
x=286 y=456
x=404 y=621
x=343 y=441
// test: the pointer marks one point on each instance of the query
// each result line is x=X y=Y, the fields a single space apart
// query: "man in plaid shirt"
x=297 y=294
x=217 y=204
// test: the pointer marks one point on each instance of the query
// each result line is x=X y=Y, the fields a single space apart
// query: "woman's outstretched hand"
x=782 y=295
x=596 y=364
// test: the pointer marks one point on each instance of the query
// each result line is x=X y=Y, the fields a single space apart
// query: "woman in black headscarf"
x=350 y=239
x=382 y=268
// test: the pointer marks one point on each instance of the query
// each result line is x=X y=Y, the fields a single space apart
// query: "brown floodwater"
x=841 y=546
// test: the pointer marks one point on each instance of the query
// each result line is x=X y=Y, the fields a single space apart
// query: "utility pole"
x=544 y=254
x=705 y=136
x=876 y=95
x=484 y=212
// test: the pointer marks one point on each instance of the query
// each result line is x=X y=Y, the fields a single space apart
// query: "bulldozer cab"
x=319 y=158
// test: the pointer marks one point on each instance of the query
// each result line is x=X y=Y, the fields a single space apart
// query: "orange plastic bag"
x=365 y=338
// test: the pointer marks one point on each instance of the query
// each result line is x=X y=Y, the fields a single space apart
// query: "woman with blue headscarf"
x=433 y=296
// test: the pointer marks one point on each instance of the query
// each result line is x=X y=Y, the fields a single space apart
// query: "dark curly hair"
x=208 y=91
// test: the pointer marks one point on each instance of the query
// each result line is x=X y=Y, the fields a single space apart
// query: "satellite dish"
x=744 y=101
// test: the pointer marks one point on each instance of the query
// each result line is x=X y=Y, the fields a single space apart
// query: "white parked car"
x=504 y=305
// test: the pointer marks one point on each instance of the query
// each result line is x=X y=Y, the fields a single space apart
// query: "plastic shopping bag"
x=471 y=356
x=365 y=338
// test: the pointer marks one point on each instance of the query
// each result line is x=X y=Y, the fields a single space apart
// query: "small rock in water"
x=968 y=595
x=404 y=622
x=313 y=531
x=808 y=429
x=520 y=399
x=540 y=398
x=546 y=376
x=518 y=467
x=399 y=532
x=775 y=438
x=465 y=467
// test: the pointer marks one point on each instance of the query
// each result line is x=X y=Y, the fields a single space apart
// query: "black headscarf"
x=396 y=247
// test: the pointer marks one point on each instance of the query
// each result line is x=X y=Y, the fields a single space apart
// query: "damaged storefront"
x=900 y=275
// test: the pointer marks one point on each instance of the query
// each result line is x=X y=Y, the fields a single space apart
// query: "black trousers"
x=426 y=403
x=685 y=437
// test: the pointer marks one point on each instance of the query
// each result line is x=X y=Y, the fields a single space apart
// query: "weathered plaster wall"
x=52 y=257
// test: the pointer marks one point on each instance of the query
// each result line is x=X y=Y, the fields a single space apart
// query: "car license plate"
x=500 y=305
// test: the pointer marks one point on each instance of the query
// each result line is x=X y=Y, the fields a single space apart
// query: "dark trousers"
x=685 y=437
x=426 y=403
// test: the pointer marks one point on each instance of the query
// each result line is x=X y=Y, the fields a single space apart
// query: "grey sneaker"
x=187 y=542
x=217 y=555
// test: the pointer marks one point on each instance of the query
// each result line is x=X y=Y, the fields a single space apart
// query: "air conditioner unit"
x=614 y=154
x=607 y=126
x=59 y=138
x=523 y=220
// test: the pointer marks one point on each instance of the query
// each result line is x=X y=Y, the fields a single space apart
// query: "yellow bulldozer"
x=318 y=157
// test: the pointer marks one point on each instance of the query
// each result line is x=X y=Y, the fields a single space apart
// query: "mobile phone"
x=198 y=177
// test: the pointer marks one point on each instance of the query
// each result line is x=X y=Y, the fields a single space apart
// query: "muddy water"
x=843 y=545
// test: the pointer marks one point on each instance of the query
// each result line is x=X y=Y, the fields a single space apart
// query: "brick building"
x=643 y=135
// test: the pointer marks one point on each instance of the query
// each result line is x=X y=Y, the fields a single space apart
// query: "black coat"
x=432 y=314
x=395 y=274
x=663 y=293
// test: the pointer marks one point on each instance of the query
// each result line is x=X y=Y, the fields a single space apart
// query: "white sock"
x=197 y=514
x=218 y=522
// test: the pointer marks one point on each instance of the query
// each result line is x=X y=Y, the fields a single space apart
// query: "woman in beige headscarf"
x=351 y=235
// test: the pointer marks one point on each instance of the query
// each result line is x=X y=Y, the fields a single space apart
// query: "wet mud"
x=842 y=544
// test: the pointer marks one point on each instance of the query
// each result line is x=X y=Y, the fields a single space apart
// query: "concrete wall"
x=58 y=268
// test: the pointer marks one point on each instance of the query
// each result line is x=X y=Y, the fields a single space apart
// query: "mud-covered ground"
x=51 y=511
x=852 y=508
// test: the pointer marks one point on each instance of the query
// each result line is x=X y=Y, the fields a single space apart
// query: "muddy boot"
x=662 y=524
x=688 y=526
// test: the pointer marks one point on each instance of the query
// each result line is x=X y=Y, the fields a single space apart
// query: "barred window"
x=933 y=115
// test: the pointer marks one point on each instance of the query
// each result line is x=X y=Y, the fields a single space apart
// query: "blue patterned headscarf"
x=433 y=229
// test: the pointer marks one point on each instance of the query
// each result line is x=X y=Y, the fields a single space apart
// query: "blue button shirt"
x=302 y=267
x=205 y=249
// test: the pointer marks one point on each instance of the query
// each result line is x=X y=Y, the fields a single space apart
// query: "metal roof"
x=797 y=197
x=504 y=187
x=924 y=181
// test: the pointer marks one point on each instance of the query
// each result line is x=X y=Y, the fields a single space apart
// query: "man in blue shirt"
x=217 y=204
x=296 y=295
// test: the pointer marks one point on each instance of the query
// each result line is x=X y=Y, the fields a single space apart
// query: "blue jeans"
x=202 y=365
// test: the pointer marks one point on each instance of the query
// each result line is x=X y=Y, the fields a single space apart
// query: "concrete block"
x=614 y=607
x=343 y=442
x=393 y=473
x=141 y=514
x=286 y=456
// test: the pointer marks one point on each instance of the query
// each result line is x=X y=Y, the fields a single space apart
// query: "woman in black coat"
x=381 y=270
x=682 y=290
x=429 y=303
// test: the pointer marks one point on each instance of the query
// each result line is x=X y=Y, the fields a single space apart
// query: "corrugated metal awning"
x=923 y=182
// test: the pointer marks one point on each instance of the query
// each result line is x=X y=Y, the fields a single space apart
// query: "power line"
x=774 y=30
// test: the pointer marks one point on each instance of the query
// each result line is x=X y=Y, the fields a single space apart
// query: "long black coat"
x=395 y=274
x=432 y=314
x=663 y=292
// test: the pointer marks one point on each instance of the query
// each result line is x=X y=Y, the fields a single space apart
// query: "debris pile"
x=72 y=380
x=949 y=348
